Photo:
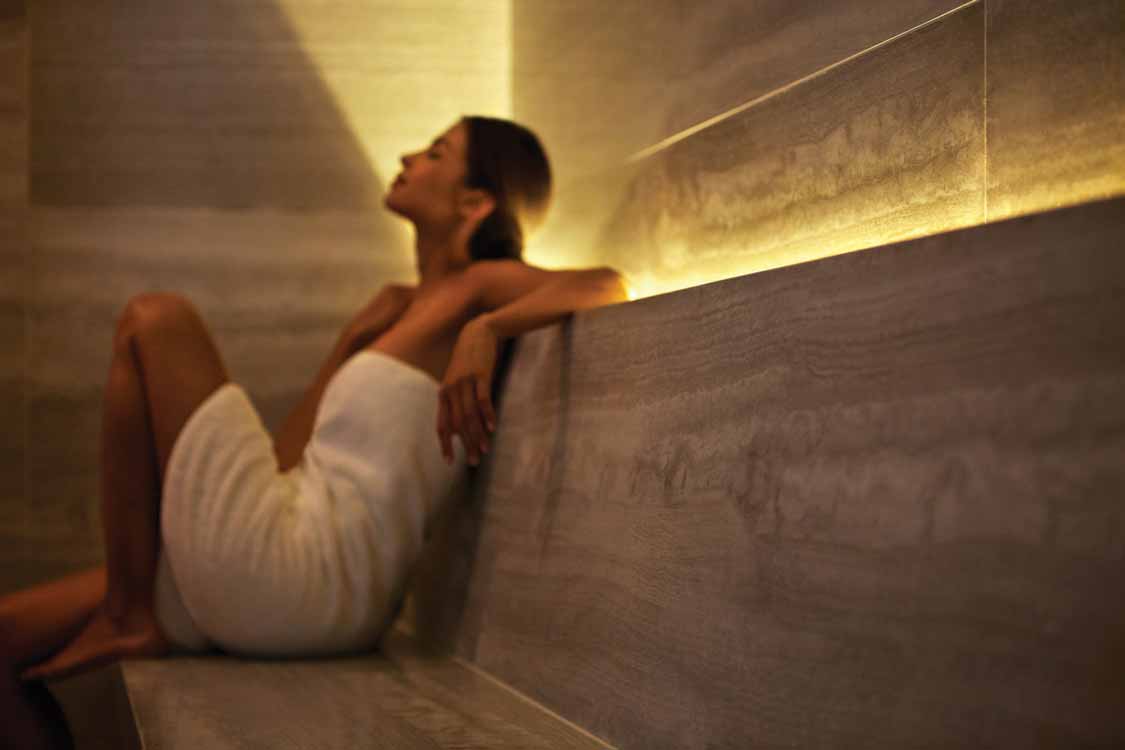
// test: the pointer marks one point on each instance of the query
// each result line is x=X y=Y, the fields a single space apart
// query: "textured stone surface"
x=885 y=147
x=602 y=80
x=283 y=104
x=233 y=153
x=274 y=290
x=14 y=46
x=1056 y=103
x=867 y=501
x=398 y=699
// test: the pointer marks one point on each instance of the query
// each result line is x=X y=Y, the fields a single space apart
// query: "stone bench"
x=875 y=500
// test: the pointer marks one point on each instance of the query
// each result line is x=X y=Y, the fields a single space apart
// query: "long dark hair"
x=508 y=161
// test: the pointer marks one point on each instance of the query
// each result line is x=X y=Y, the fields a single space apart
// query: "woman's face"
x=431 y=180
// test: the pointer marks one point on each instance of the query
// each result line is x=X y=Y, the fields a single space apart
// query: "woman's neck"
x=438 y=256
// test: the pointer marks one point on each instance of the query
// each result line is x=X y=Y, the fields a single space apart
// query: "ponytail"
x=508 y=161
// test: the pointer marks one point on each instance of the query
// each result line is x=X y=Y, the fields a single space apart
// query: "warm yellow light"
x=726 y=263
x=400 y=73
x=648 y=283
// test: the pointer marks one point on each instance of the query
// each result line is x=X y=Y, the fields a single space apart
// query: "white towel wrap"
x=312 y=560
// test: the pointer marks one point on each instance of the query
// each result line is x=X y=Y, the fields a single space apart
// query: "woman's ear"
x=475 y=205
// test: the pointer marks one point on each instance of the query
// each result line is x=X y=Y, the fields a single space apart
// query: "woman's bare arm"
x=514 y=298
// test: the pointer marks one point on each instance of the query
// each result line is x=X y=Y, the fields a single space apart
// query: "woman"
x=301 y=544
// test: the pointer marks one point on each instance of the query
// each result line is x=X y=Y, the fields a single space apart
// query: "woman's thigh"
x=177 y=359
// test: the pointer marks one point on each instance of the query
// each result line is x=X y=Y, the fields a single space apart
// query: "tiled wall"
x=701 y=141
x=236 y=153
x=1056 y=103
x=867 y=502
x=14 y=47
x=232 y=152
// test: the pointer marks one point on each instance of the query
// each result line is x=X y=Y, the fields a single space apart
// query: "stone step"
x=400 y=697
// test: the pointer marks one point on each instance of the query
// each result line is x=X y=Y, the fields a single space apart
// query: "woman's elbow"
x=613 y=284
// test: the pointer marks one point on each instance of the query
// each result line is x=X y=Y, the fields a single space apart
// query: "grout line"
x=985 y=100
x=538 y=706
x=690 y=131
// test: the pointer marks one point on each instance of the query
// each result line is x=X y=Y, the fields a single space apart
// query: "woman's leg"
x=33 y=623
x=164 y=365
x=36 y=621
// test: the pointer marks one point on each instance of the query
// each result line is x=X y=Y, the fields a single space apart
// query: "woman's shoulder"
x=495 y=283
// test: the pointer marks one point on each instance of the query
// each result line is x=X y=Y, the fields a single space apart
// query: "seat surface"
x=399 y=698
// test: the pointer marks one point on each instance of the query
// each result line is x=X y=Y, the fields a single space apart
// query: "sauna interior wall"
x=14 y=48
x=232 y=153
x=220 y=152
x=699 y=141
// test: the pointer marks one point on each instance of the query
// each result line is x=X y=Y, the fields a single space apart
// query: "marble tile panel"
x=867 y=501
x=1056 y=103
x=602 y=80
x=14 y=128
x=255 y=105
x=886 y=147
x=130 y=110
x=233 y=154
x=274 y=290
x=400 y=698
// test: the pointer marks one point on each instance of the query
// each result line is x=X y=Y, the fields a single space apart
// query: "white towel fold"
x=312 y=560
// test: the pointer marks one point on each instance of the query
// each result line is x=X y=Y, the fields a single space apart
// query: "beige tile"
x=843 y=489
x=13 y=366
x=272 y=291
x=401 y=697
x=601 y=80
x=886 y=147
x=14 y=128
x=272 y=287
x=282 y=105
x=12 y=415
x=13 y=12
x=1056 y=103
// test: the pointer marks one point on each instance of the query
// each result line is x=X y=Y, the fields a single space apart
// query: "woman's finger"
x=484 y=403
x=482 y=428
x=454 y=424
x=443 y=427
x=458 y=417
x=472 y=425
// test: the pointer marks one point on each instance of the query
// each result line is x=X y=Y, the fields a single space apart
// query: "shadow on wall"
x=188 y=148
x=177 y=105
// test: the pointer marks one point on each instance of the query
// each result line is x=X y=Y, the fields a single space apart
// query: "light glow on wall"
x=423 y=65
x=428 y=62
x=723 y=263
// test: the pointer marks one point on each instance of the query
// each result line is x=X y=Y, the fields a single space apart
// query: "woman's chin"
x=389 y=204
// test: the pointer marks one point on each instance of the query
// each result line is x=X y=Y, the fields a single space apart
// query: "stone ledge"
x=401 y=697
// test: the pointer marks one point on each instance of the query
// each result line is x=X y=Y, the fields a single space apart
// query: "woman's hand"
x=379 y=314
x=464 y=400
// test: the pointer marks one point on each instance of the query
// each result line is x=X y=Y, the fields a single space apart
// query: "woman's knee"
x=154 y=310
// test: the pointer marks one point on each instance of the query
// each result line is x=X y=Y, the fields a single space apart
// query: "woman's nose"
x=405 y=159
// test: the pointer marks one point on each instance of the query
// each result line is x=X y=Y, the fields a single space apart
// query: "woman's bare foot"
x=101 y=641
